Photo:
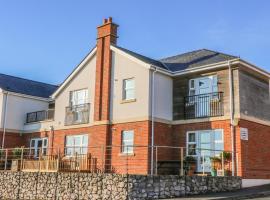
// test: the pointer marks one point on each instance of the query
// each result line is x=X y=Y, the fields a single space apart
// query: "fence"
x=121 y=160
x=204 y=105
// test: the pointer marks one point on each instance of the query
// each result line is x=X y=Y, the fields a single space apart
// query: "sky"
x=45 y=40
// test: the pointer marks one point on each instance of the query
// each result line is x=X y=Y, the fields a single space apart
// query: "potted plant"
x=190 y=165
x=215 y=162
x=226 y=155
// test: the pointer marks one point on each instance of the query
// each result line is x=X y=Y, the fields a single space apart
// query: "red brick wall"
x=12 y=140
x=107 y=34
x=254 y=155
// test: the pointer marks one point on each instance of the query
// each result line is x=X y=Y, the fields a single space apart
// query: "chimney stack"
x=106 y=35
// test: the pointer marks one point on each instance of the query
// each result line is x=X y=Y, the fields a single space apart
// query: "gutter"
x=5 y=119
x=153 y=119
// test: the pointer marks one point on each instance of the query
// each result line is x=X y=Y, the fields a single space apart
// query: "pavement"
x=258 y=193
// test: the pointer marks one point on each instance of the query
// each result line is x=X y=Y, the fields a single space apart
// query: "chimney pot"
x=104 y=21
x=110 y=19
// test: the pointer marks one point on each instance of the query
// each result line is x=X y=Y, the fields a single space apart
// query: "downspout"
x=153 y=119
x=5 y=119
x=231 y=116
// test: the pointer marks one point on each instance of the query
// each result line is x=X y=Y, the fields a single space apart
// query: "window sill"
x=126 y=154
x=128 y=101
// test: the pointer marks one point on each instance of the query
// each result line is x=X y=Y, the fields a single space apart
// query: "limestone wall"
x=23 y=185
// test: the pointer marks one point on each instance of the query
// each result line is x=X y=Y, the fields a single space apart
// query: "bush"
x=17 y=152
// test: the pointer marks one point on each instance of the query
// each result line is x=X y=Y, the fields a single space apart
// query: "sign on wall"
x=244 y=133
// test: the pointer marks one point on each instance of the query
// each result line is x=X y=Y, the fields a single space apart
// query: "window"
x=129 y=89
x=205 y=139
x=78 y=97
x=203 y=85
x=127 y=141
x=218 y=140
x=192 y=144
x=76 y=144
x=192 y=90
x=37 y=145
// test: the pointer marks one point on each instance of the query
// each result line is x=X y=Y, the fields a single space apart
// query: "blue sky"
x=45 y=40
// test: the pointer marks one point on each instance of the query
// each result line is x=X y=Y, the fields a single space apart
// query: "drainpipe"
x=231 y=115
x=153 y=119
x=4 y=125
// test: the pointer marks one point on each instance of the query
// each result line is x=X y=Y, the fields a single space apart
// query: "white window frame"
x=83 y=147
x=125 y=89
x=213 y=84
x=191 y=143
x=213 y=141
x=127 y=149
x=74 y=101
x=34 y=148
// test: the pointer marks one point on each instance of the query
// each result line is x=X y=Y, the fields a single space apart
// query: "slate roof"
x=25 y=86
x=195 y=59
x=184 y=61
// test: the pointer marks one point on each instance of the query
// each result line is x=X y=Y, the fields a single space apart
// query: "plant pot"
x=213 y=172
x=192 y=169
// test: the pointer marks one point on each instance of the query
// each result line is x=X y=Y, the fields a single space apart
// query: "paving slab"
x=246 y=193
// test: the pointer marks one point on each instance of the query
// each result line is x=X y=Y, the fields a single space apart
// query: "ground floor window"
x=76 y=144
x=38 y=146
x=203 y=145
x=127 y=141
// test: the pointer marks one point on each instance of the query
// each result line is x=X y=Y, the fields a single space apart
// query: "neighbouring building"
x=201 y=99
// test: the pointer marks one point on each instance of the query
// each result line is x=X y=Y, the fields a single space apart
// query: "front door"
x=38 y=146
x=204 y=151
x=203 y=90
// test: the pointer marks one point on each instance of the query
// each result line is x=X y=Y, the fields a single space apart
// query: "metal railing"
x=112 y=159
x=204 y=105
x=40 y=116
x=78 y=114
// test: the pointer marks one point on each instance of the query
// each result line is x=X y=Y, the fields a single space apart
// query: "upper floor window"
x=129 y=89
x=78 y=97
x=127 y=141
x=203 y=85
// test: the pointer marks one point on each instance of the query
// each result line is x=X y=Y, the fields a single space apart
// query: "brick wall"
x=254 y=152
x=12 y=140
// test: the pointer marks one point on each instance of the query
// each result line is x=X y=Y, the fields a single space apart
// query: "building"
x=115 y=97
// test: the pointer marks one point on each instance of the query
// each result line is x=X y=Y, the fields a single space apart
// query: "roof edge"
x=74 y=72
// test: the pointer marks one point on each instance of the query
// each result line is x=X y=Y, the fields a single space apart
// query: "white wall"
x=85 y=79
x=18 y=107
x=124 y=68
x=163 y=96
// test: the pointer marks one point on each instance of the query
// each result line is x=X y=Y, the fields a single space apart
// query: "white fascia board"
x=26 y=96
x=255 y=68
x=134 y=59
x=204 y=67
x=74 y=73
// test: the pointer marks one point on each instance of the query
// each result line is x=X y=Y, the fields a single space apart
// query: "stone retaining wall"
x=23 y=185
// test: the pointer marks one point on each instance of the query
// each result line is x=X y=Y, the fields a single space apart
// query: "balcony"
x=38 y=116
x=204 y=105
x=78 y=114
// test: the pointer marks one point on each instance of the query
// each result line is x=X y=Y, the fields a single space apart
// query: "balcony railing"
x=204 y=105
x=40 y=116
x=78 y=114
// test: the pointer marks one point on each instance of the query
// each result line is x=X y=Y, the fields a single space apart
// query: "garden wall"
x=24 y=185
